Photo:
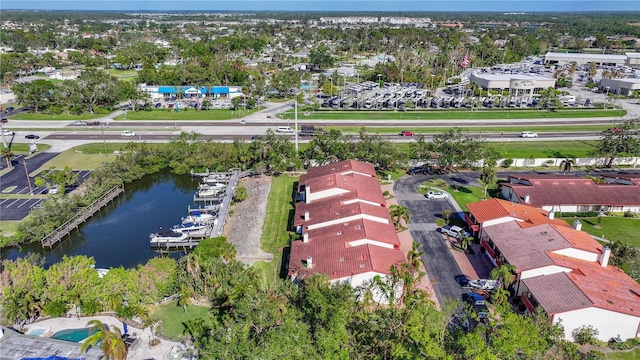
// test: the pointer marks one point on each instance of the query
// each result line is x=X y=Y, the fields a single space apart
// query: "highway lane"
x=230 y=136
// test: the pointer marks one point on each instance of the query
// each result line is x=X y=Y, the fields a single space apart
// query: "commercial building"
x=623 y=86
x=517 y=84
x=628 y=59
x=172 y=92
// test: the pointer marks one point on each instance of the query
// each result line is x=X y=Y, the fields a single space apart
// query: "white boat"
x=199 y=218
x=187 y=227
x=205 y=190
x=484 y=284
x=214 y=178
x=166 y=237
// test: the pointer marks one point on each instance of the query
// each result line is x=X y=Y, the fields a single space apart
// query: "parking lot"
x=14 y=182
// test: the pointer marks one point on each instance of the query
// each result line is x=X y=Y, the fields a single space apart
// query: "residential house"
x=558 y=268
x=347 y=233
x=564 y=193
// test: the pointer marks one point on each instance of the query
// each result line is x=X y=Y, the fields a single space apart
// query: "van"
x=284 y=129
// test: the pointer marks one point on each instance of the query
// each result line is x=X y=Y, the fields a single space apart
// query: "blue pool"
x=74 y=335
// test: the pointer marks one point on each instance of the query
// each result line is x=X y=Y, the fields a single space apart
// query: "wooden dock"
x=81 y=217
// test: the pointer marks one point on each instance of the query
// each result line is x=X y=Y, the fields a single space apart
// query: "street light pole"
x=26 y=172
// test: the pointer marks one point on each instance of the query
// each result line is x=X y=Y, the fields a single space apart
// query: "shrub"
x=595 y=355
x=630 y=214
x=240 y=194
x=585 y=334
x=507 y=163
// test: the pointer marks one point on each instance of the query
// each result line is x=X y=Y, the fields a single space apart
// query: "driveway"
x=439 y=262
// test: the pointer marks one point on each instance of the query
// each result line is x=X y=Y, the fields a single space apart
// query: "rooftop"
x=525 y=215
x=340 y=167
x=16 y=346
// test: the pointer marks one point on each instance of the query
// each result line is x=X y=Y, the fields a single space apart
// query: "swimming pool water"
x=73 y=335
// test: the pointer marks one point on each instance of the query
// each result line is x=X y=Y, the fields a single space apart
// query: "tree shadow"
x=284 y=264
x=292 y=212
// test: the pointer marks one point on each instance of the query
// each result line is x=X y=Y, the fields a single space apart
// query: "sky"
x=316 y=5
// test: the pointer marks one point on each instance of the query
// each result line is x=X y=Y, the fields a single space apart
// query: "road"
x=440 y=265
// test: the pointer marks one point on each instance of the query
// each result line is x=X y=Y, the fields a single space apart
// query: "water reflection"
x=119 y=234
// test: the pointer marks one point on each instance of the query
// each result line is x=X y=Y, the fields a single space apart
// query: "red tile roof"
x=607 y=287
x=547 y=190
x=352 y=231
x=529 y=248
x=333 y=208
x=588 y=284
x=332 y=258
x=367 y=188
x=556 y=293
x=493 y=209
x=340 y=167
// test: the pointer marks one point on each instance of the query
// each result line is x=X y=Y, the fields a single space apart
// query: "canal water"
x=119 y=234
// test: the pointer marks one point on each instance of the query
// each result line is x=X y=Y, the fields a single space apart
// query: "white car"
x=436 y=195
x=454 y=231
x=8 y=133
x=528 y=134
x=128 y=133
x=54 y=189
x=284 y=129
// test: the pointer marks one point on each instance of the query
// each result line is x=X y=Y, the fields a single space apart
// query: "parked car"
x=436 y=195
x=32 y=137
x=54 y=189
x=128 y=133
x=406 y=133
x=8 y=133
x=528 y=134
x=284 y=129
x=9 y=109
x=454 y=231
x=79 y=123
x=478 y=303
x=418 y=170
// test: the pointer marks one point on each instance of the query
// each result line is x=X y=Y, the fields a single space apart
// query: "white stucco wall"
x=347 y=219
x=608 y=323
x=326 y=193
x=362 y=201
x=498 y=221
x=364 y=280
x=371 y=242
x=355 y=172
x=578 y=254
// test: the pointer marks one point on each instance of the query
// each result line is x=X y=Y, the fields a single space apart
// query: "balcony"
x=527 y=303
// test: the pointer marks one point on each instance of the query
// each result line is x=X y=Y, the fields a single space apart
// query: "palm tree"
x=184 y=297
x=465 y=241
x=504 y=273
x=567 y=164
x=398 y=213
x=500 y=296
x=112 y=344
x=7 y=154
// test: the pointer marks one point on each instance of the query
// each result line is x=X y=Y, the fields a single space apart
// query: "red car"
x=615 y=130
x=406 y=133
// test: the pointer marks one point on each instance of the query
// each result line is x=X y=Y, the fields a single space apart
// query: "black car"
x=418 y=170
x=255 y=137
x=9 y=109
x=32 y=137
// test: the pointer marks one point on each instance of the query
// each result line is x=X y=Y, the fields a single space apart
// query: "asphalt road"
x=440 y=265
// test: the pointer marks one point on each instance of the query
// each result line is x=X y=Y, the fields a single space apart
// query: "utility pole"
x=295 y=125
x=104 y=142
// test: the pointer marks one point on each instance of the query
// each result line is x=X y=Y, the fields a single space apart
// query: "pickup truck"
x=454 y=231
x=311 y=130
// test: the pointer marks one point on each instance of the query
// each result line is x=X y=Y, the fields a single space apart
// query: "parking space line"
x=13 y=202
x=25 y=189
x=38 y=201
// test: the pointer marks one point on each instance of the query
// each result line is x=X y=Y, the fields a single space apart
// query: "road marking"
x=15 y=201
x=36 y=203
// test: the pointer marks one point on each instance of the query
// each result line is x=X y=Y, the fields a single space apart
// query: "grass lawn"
x=543 y=149
x=8 y=227
x=40 y=116
x=626 y=355
x=462 y=114
x=275 y=233
x=613 y=228
x=23 y=148
x=99 y=148
x=122 y=73
x=77 y=161
x=173 y=316
x=184 y=114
